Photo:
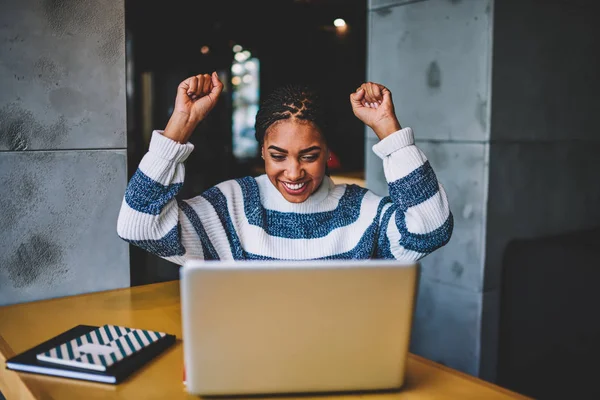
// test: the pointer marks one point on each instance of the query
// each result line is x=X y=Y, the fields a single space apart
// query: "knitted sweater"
x=248 y=218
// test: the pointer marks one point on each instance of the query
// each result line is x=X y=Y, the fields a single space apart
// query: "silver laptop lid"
x=259 y=327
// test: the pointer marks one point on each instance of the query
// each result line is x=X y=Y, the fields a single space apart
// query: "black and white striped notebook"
x=100 y=348
x=113 y=343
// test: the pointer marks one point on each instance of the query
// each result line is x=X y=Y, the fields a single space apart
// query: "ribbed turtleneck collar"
x=272 y=199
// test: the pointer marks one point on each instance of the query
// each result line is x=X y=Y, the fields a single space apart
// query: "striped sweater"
x=248 y=218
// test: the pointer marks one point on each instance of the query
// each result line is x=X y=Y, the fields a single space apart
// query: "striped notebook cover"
x=100 y=348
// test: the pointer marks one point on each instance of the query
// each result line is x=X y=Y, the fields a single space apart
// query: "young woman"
x=294 y=211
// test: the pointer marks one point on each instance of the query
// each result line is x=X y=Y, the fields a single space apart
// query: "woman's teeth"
x=294 y=186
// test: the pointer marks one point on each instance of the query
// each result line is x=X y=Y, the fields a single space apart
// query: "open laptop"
x=281 y=327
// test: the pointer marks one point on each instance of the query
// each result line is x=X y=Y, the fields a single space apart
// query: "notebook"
x=100 y=348
x=277 y=327
x=107 y=353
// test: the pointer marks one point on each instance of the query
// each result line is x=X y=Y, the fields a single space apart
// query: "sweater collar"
x=272 y=199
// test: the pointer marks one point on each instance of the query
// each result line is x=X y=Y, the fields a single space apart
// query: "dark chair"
x=549 y=334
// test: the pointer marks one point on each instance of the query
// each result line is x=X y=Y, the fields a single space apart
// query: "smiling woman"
x=290 y=128
x=294 y=211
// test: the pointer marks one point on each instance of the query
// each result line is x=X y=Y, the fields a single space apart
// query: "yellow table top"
x=157 y=307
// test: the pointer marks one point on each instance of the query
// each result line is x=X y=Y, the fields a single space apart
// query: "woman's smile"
x=295 y=188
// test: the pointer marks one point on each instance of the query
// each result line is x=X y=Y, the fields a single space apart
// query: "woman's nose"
x=294 y=171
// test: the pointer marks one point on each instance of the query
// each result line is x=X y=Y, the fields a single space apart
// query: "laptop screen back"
x=259 y=327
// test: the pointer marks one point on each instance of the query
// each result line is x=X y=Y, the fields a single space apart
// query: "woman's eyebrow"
x=278 y=149
x=307 y=150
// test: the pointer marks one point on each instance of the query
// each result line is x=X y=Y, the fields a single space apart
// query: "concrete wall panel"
x=434 y=57
x=539 y=189
x=59 y=213
x=546 y=71
x=462 y=170
x=446 y=328
x=62 y=68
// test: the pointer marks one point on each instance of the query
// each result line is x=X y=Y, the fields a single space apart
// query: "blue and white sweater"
x=248 y=218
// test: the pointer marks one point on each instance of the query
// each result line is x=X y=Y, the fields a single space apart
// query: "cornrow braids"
x=291 y=101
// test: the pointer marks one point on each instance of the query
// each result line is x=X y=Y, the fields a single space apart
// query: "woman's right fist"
x=196 y=97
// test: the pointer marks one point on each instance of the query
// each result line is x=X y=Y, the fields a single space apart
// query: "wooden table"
x=157 y=307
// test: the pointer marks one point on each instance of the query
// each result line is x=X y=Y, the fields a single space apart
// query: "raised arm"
x=150 y=216
x=418 y=219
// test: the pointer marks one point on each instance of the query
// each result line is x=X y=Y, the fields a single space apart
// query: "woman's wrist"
x=180 y=127
x=385 y=128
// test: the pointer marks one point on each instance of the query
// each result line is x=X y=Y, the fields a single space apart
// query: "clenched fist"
x=372 y=104
x=196 y=97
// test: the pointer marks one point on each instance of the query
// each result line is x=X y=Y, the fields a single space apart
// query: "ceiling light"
x=339 y=22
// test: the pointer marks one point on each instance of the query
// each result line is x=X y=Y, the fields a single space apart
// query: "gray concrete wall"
x=502 y=98
x=545 y=150
x=434 y=56
x=62 y=148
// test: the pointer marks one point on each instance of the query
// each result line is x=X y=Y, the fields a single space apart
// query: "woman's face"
x=295 y=156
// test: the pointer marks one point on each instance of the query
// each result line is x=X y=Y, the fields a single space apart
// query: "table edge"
x=471 y=378
x=148 y=286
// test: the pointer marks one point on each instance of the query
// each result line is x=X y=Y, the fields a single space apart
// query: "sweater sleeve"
x=150 y=216
x=418 y=220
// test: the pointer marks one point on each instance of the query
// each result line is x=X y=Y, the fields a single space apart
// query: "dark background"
x=295 y=41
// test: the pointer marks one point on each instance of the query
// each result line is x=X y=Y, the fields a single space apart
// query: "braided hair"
x=290 y=102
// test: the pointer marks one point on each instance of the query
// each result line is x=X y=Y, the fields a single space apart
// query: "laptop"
x=285 y=327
